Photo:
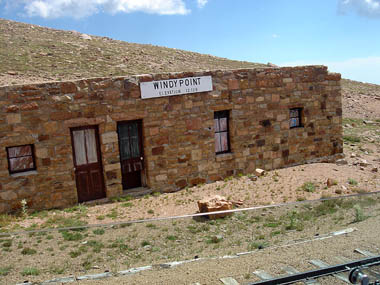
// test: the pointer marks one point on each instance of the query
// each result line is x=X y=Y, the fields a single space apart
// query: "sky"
x=342 y=34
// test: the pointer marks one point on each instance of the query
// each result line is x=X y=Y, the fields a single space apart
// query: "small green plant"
x=145 y=243
x=151 y=226
x=71 y=236
x=4 y=271
x=150 y=211
x=122 y=199
x=98 y=231
x=100 y=218
x=76 y=253
x=87 y=264
x=352 y=181
x=127 y=204
x=113 y=215
x=351 y=139
x=28 y=251
x=293 y=220
x=308 y=186
x=7 y=243
x=172 y=238
x=96 y=245
x=78 y=208
x=30 y=271
x=359 y=215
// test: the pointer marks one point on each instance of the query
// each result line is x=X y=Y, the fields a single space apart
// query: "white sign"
x=178 y=86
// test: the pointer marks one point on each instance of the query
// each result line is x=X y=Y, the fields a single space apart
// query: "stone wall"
x=178 y=131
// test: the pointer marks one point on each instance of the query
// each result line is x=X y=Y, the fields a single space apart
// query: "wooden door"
x=88 y=164
x=131 y=153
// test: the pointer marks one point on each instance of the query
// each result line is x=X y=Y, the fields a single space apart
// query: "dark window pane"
x=134 y=140
x=125 y=151
x=21 y=163
x=294 y=113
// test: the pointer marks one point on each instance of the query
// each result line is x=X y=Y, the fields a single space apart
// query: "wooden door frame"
x=98 y=152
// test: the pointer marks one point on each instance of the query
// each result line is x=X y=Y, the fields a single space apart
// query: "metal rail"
x=313 y=274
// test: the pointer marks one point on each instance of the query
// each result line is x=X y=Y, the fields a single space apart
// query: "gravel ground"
x=271 y=260
x=286 y=246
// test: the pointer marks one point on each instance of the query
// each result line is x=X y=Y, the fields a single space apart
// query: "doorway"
x=88 y=164
x=131 y=153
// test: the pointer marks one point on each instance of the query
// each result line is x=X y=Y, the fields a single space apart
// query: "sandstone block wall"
x=178 y=131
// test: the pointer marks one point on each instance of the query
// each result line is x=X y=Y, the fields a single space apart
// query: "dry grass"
x=32 y=53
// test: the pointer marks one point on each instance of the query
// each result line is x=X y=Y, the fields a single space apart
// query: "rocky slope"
x=30 y=53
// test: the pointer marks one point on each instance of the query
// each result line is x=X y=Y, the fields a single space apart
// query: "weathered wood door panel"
x=131 y=153
x=87 y=163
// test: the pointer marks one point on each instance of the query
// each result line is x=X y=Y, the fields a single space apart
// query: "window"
x=295 y=118
x=21 y=158
x=221 y=126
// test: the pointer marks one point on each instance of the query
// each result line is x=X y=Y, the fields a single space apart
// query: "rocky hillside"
x=360 y=100
x=30 y=53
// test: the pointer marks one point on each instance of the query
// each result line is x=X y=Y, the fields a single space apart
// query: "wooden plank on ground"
x=229 y=281
x=263 y=275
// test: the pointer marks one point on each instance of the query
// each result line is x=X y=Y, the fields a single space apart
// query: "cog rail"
x=353 y=266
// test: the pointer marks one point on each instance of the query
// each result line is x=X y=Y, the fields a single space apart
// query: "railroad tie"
x=365 y=252
x=291 y=270
x=263 y=275
x=321 y=264
x=229 y=281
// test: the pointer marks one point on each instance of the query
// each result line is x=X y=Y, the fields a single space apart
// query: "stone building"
x=67 y=142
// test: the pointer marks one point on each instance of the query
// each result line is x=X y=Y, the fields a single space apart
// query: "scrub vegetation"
x=87 y=250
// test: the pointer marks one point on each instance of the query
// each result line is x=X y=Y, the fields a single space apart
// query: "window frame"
x=11 y=171
x=300 y=117
x=219 y=115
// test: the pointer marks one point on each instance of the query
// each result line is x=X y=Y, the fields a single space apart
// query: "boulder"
x=331 y=182
x=259 y=172
x=214 y=204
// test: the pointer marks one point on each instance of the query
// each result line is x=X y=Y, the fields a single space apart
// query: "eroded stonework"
x=178 y=131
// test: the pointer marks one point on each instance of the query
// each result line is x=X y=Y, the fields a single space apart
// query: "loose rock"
x=213 y=204
x=259 y=172
x=341 y=162
x=331 y=182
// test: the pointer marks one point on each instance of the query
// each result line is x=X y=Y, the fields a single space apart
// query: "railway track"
x=365 y=271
